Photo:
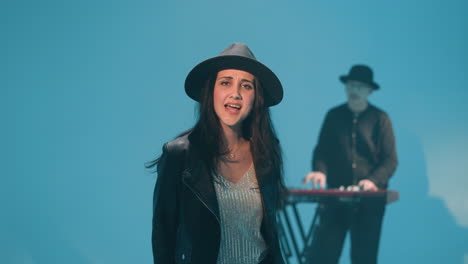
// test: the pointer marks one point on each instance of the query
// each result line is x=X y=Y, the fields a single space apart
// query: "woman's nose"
x=236 y=93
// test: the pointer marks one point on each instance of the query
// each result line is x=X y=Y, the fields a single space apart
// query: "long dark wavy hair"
x=206 y=136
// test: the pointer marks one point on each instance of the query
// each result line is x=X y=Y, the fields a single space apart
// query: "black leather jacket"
x=186 y=226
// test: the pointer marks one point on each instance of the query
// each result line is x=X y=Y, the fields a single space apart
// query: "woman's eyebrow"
x=230 y=78
x=226 y=77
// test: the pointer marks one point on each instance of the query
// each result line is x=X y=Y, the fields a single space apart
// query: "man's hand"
x=318 y=179
x=368 y=185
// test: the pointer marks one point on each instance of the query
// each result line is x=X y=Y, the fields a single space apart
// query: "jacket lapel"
x=199 y=181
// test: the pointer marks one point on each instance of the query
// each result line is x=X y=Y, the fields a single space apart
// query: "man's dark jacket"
x=186 y=225
x=355 y=147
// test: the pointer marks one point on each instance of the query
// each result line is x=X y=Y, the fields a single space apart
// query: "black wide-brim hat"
x=361 y=73
x=239 y=57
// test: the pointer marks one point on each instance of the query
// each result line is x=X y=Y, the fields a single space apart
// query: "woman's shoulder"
x=178 y=145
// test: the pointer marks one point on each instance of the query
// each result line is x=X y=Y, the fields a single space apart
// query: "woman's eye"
x=248 y=86
x=224 y=83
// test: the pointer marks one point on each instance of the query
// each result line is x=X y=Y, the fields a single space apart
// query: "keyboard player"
x=356 y=146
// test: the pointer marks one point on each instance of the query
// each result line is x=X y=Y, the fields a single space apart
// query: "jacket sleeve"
x=387 y=157
x=321 y=151
x=165 y=204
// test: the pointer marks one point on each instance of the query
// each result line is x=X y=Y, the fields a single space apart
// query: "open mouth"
x=235 y=106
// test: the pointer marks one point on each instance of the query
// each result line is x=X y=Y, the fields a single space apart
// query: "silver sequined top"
x=241 y=212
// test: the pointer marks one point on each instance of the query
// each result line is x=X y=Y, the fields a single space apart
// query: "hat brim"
x=273 y=90
x=345 y=78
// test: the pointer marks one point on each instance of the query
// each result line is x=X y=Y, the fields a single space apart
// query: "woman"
x=219 y=184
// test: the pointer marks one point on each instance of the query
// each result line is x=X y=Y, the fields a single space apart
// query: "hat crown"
x=361 y=73
x=238 y=49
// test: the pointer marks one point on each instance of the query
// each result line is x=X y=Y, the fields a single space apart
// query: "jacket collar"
x=200 y=182
x=198 y=179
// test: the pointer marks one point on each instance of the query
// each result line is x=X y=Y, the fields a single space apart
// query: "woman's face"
x=233 y=97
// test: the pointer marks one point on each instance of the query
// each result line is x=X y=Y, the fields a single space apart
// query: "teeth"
x=234 y=106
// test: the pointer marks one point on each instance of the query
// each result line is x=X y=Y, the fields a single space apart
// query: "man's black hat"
x=362 y=73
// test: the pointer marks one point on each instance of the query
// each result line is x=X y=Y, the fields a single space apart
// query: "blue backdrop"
x=90 y=90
